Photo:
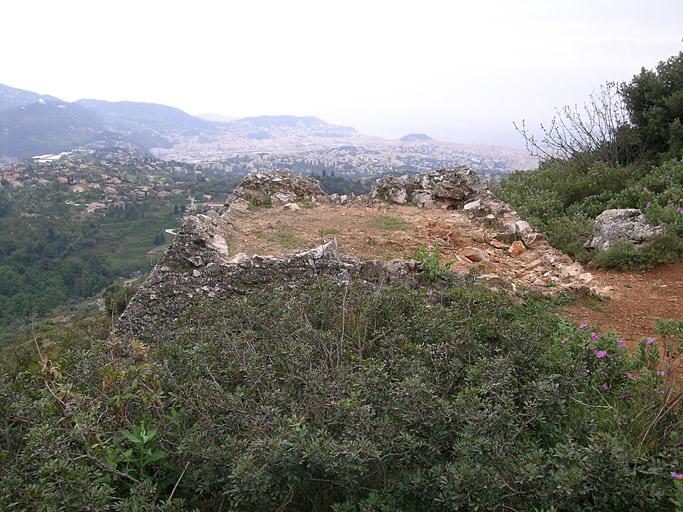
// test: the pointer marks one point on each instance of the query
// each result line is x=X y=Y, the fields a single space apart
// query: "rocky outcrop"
x=627 y=224
x=458 y=189
x=449 y=188
x=279 y=187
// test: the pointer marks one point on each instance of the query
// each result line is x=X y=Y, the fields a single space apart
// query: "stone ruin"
x=279 y=187
x=458 y=189
x=200 y=263
x=448 y=188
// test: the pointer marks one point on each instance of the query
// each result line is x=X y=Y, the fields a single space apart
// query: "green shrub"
x=261 y=202
x=624 y=255
x=431 y=261
x=117 y=295
x=562 y=200
x=343 y=399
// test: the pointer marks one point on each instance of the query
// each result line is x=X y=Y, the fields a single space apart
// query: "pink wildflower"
x=661 y=373
x=631 y=376
x=621 y=342
x=601 y=354
x=649 y=341
x=583 y=326
x=594 y=336
x=564 y=341
x=677 y=476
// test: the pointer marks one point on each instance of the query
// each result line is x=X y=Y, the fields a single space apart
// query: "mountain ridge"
x=11 y=97
x=32 y=124
x=171 y=133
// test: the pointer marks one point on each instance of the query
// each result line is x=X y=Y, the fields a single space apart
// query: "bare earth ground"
x=387 y=231
x=638 y=299
x=384 y=231
x=381 y=232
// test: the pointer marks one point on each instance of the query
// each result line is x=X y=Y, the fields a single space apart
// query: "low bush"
x=261 y=202
x=344 y=400
x=625 y=256
x=431 y=262
x=562 y=200
x=117 y=295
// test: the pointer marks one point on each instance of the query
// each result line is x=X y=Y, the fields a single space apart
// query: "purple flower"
x=564 y=341
x=677 y=476
x=605 y=387
x=583 y=326
x=601 y=354
x=621 y=342
x=594 y=336
x=631 y=376
x=661 y=373
x=649 y=341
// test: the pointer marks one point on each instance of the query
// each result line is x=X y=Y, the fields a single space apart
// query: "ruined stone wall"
x=458 y=189
x=279 y=187
x=199 y=264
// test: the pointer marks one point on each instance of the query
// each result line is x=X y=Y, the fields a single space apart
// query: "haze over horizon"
x=458 y=72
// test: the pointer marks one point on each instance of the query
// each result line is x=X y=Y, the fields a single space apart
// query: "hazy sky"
x=459 y=70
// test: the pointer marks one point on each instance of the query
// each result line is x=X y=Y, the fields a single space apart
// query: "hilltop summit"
x=281 y=231
x=416 y=137
x=11 y=97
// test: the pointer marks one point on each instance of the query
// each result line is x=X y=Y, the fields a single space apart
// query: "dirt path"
x=639 y=298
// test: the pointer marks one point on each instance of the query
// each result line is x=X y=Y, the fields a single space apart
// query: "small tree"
x=597 y=131
x=654 y=99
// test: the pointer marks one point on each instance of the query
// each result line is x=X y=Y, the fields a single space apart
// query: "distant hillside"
x=69 y=226
x=48 y=127
x=135 y=116
x=11 y=97
x=416 y=137
x=32 y=124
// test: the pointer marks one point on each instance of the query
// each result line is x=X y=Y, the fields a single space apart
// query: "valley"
x=73 y=223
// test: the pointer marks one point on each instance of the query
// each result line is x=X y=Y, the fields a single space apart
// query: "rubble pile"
x=458 y=189
x=279 y=187
x=446 y=188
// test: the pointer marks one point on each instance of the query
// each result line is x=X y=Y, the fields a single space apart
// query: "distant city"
x=34 y=125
